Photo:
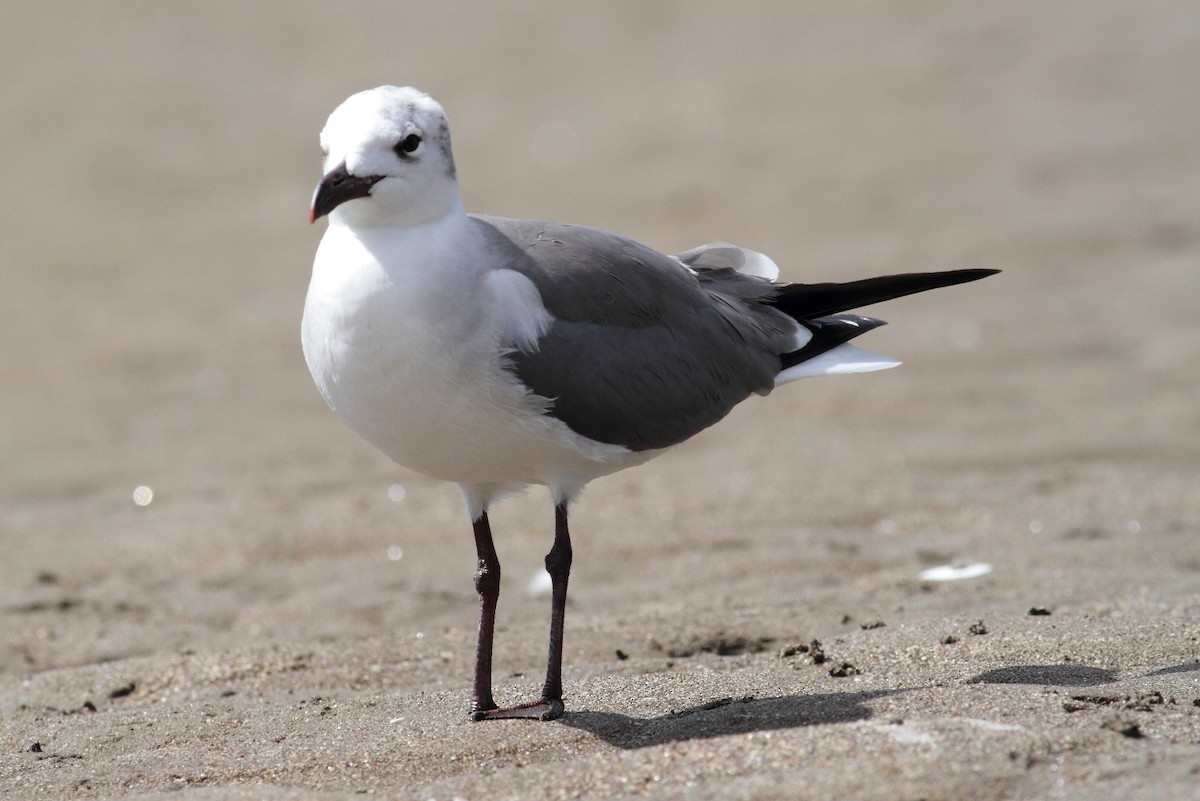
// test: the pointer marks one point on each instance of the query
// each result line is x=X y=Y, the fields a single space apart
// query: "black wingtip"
x=806 y=301
x=828 y=333
x=973 y=274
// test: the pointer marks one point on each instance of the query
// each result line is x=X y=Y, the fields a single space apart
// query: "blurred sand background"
x=292 y=616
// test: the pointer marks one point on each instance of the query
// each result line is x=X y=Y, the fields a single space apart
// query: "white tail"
x=845 y=358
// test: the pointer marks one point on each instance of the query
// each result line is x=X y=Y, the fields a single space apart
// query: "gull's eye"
x=407 y=146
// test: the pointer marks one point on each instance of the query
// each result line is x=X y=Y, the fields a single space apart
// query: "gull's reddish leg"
x=558 y=565
x=487 y=584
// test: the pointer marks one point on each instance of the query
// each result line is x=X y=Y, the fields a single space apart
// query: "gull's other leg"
x=558 y=565
x=487 y=584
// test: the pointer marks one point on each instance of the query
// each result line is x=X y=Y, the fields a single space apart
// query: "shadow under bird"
x=500 y=353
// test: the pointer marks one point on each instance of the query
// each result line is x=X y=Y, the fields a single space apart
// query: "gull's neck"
x=432 y=253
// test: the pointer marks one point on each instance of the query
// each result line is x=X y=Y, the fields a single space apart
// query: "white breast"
x=406 y=343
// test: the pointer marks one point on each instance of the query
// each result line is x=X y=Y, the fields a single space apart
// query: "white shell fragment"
x=539 y=585
x=955 y=572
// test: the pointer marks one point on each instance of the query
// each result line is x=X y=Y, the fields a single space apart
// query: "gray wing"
x=643 y=352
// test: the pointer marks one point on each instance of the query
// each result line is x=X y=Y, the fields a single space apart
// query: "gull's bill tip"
x=336 y=187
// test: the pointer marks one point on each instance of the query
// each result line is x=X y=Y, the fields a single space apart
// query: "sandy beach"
x=212 y=589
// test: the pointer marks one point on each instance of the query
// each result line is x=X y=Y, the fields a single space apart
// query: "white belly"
x=400 y=364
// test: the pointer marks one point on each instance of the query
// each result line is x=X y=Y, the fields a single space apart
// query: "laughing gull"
x=499 y=353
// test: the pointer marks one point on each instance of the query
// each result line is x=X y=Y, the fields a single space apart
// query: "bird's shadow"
x=725 y=716
x=750 y=714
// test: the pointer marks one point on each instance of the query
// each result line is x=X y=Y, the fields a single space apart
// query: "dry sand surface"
x=292 y=616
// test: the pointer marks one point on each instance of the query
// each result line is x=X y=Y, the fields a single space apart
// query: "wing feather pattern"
x=645 y=352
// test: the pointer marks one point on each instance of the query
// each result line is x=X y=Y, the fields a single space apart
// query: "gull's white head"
x=387 y=160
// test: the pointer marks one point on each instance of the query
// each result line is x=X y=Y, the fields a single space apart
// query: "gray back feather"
x=643 y=352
